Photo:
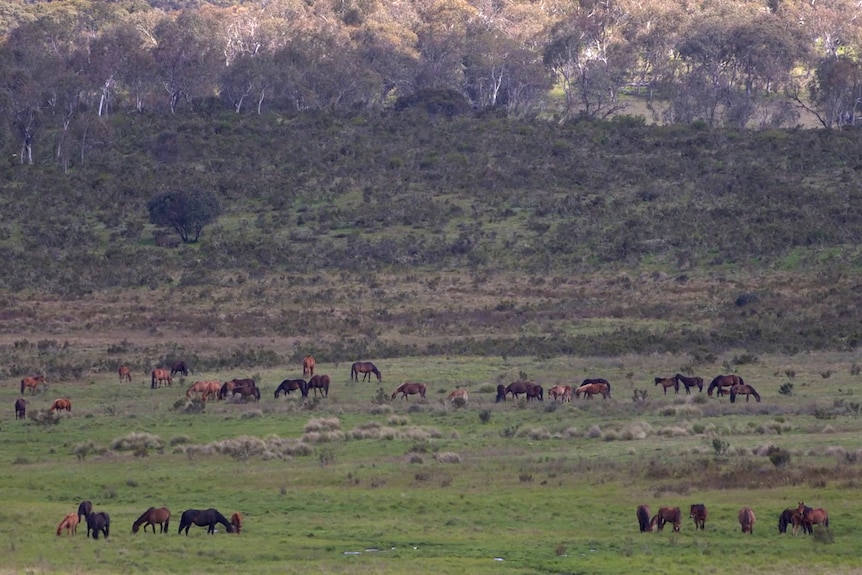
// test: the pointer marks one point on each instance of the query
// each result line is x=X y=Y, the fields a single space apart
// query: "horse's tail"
x=167 y=524
x=352 y=372
x=22 y=386
x=732 y=395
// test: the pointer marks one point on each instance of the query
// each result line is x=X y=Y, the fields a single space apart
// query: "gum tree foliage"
x=187 y=212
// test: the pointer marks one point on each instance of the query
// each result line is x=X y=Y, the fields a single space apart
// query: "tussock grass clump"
x=322 y=436
x=399 y=420
x=415 y=434
x=322 y=424
x=82 y=450
x=535 y=433
x=673 y=431
x=44 y=417
x=381 y=409
x=241 y=447
x=373 y=430
x=486 y=388
x=569 y=433
x=447 y=457
x=139 y=442
x=594 y=432
x=179 y=440
x=636 y=430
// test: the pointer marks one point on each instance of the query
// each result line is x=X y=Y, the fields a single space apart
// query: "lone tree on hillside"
x=186 y=212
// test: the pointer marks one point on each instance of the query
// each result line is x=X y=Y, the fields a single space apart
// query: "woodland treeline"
x=726 y=63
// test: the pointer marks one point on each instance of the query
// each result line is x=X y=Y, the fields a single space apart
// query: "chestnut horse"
x=236 y=522
x=308 y=366
x=32 y=383
x=409 y=389
x=153 y=516
x=561 y=392
x=745 y=390
x=690 y=382
x=180 y=367
x=320 y=382
x=669 y=515
x=20 y=408
x=207 y=389
x=747 y=519
x=203 y=518
x=590 y=389
x=699 y=514
x=159 y=377
x=366 y=368
x=667 y=382
x=289 y=385
x=61 y=404
x=722 y=381
x=643 y=518
x=125 y=373
x=69 y=523
x=811 y=517
x=458 y=393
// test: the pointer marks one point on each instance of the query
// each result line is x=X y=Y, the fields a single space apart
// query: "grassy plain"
x=357 y=484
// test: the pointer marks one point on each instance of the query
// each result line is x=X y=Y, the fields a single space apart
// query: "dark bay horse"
x=289 y=385
x=320 y=382
x=501 y=393
x=61 y=404
x=591 y=389
x=159 y=377
x=667 y=382
x=721 y=381
x=366 y=368
x=669 y=515
x=408 y=388
x=787 y=517
x=699 y=514
x=746 y=520
x=20 y=408
x=517 y=388
x=535 y=391
x=745 y=390
x=84 y=509
x=125 y=373
x=153 y=516
x=203 y=518
x=690 y=382
x=98 y=522
x=32 y=383
x=180 y=367
x=308 y=366
x=245 y=387
x=643 y=518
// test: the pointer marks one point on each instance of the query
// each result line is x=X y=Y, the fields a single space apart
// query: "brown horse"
x=61 y=404
x=245 y=387
x=153 y=516
x=811 y=517
x=519 y=387
x=180 y=367
x=458 y=393
x=125 y=373
x=206 y=389
x=535 y=391
x=591 y=389
x=236 y=522
x=667 y=382
x=747 y=519
x=32 y=383
x=366 y=368
x=669 y=515
x=159 y=377
x=320 y=382
x=409 y=389
x=699 y=514
x=745 y=390
x=690 y=382
x=289 y=385
x=20 y=408
x=643 y=518
x=69 y=523
x=308 y=366
x=722 y=381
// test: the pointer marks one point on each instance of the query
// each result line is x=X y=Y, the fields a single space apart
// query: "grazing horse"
x=788 y=517
x=590 y=389
x=180 y=367
x=289 y=385
x=690 y=382
x=247 y=391
x=747 y=519
x=407 y=388
x=501 y=393
x=669 y=515
x=159 y=377
x=207 y=518
x=811 y=517
x=745 y=390
x=207 y=389
x=667 y=382
x=366 y=368
x=20 y=408
x=69 y=523
x=308 y=366
x=456 y=394
x=643 y=518
x=653 y=523
x=125 y=373
x=98 y=522
x=236 y=522
x=722 y=381
x=32 y=383
x=153 y=516
x=245 y=387
x=61 y=404
x=517 y=388
x=699 y=514
x=84 y=509
x=535 y=391
x=320 y=382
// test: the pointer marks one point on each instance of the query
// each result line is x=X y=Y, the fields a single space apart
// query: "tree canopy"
x=187 y=212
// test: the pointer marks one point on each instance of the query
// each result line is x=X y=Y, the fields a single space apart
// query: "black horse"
x=20 y=408
x=84 y=510
x=98 y=522
x=501 y=393
x=208 y=517
x=689 y=382
x=289 y=385
x=785 y=519
x=180 y=367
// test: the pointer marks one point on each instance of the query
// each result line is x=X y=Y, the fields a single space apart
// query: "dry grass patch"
x=322 y=424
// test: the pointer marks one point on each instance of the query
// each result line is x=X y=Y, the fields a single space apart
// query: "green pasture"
x=358 y=483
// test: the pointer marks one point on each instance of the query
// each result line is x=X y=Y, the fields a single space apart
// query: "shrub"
x=485 y=416
x=778 y=456
x=823 y=535
x=786 y=389
x=720 y=446
x=44 y=417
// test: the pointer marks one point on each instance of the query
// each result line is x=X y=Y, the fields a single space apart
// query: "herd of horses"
x=100 y=522
x=721 y=384
x=800 y=517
